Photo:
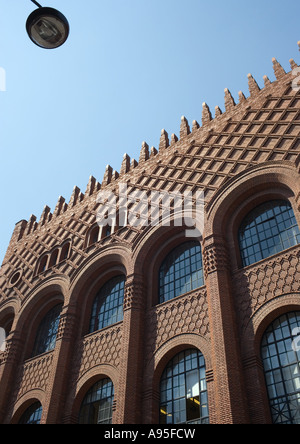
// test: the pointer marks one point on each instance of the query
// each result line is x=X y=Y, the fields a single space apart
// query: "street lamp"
x=47 y=27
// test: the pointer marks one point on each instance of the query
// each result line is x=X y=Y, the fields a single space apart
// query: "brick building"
x=131 y=324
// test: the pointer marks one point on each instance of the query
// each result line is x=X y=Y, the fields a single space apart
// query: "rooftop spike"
x=278 y=69
x=115 y=175
x=91 y=186
x=267 y=81
x=242 y=97
x=59 y=206
x=206 y=114
x=253 y=86
x=46 y=215
x=107 y=175
x=174 y=139
x=218 y=111
x=76 y=197
x=196 y=126
x=153 y=151
x=229 y=100
x=125 y=164
x=164 y=140
x=31 y=224
x=184 y=127
x=18 y=233
x=293 y=64
x=144 y=155
x=134 y=164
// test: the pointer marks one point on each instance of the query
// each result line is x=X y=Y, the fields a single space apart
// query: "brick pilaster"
x=129 y=396
x=56 y=388
x=9 y=361
x=230 y=405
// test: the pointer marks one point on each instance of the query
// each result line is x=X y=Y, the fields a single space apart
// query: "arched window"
x=281 y=359
x=97 y=405
x=183 y=391
x=46 y=336
x=181 y=271
x=65 y=251
x=54 y=258
x=106 y=231
x=93 y=235
x=108 y=304
x=267 y=230
x=32 y=415
x=43 y=264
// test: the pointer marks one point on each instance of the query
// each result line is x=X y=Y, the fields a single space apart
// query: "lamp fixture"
x=47 y=27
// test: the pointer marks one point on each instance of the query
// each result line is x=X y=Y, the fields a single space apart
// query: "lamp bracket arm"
x=36 y=3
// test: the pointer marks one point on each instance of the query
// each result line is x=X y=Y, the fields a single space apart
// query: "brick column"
x=9 y=362
x=129 y=395
x=230 y=399
x=257 y=392
x=58 y=383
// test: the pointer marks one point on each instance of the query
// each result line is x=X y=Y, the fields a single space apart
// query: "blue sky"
x=128 y=70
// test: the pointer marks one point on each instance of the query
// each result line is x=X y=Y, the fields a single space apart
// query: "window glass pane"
x=32 y=415
x=183 y=391
x=108 y=305
x=282 y=369
x=97 y=405
x=181 y=271
x=274 y=225
x=47 y=332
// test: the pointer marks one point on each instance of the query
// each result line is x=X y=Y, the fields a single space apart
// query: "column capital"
x=215 y=255
x=134 y=293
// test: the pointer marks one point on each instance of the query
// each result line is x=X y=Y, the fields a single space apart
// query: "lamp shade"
x=47 y=28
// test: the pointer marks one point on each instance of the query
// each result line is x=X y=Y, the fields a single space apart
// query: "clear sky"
x=129 y=69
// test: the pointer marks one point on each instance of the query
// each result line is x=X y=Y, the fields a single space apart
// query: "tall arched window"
x=46 y=336
x=267 y=230
x=97 y=405
x=281 y=359
x=65 y=251
x=108 y=304
x=43 y=264
x=181 y=271
x=93 y=236
x=32 y=415
x=183 y=391
x=54 y=258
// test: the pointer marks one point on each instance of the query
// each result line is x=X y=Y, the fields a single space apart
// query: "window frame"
x=33 y=414
x=281 y=366
x=88 y=410
x=260 y=230
x=105 y=301
x=167 y=285
x=45 y=339
x=178 y=389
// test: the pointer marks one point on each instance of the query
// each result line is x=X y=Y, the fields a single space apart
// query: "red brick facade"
x=243 y=157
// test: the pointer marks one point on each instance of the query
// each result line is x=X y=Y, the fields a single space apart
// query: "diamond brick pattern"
x=243 y=156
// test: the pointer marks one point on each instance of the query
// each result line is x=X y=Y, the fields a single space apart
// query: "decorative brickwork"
x=241 y=157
